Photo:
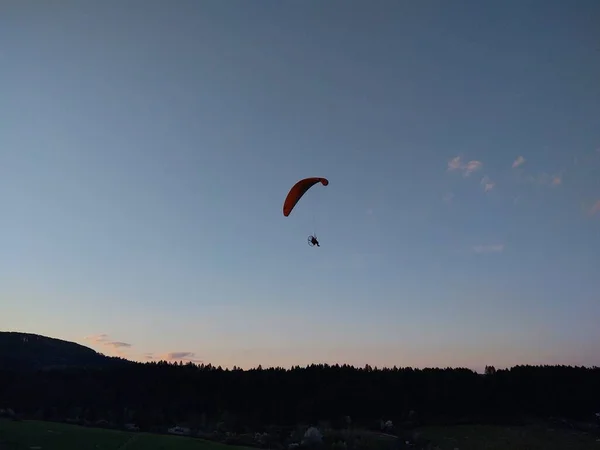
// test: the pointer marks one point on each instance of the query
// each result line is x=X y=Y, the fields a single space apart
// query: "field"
x=532 y=437
x=34 y=435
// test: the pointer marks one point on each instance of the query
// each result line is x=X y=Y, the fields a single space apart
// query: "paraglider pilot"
x=296 y=193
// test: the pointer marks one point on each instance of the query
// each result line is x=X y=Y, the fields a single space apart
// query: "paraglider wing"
x=298 y=190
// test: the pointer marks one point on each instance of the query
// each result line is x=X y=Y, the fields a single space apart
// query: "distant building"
x=182 y=431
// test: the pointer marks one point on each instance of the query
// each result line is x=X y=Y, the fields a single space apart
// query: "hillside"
x=159 y=394
x=27 y=351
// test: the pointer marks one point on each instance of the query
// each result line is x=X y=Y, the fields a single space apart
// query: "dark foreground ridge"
x=27 y=351
x=50 y=379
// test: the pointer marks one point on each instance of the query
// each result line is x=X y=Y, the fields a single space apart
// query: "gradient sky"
x=146 y=148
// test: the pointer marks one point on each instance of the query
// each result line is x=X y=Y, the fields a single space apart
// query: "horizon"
x=260 y=366
x=145 y=159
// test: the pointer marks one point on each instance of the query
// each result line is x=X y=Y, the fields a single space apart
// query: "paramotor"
x=296 y=193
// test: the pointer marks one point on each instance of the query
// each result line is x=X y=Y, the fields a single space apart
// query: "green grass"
x=533 y=437
x=30 y=434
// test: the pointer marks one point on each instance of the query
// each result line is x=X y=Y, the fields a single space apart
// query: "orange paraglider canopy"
x=298 y=190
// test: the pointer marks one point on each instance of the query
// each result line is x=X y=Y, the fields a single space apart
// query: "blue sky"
x=146 y=150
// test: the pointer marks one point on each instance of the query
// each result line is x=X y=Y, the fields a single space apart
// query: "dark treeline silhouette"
x=51 y=379
x=156 y=394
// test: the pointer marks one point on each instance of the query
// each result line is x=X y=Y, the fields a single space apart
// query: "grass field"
x=532 y=437
x=34 y=435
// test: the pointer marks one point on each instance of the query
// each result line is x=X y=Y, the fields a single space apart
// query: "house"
x=182 y=431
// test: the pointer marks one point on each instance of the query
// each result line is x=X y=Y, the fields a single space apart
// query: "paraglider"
x=296 y=193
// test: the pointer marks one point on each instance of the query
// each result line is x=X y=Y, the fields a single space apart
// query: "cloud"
x=487 y=183
x=545 y=179
x=595 y=209
x=454 y=163
x=472 y=166
x=466 y=168
x=117 y=344
x=97 y=338
x=103 y=339
x=493 y=248
x=180 y=356
x=517 y=162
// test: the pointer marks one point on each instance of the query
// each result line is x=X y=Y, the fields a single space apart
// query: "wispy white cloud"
x=117 y=344
x=104 y=340
x=97 y=338
x=545 y=179
x=454 y=163
x=472 y=166
x=487 y=183
x=517 y=162
x=179 y=355
x=467 y=168
x=490 y=248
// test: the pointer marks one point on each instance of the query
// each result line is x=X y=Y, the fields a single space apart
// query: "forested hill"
x=27 y=351
x=91 y=387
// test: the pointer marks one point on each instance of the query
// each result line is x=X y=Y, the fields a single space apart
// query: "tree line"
x=156 y=394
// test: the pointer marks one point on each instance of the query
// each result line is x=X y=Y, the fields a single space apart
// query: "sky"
x=146 y=148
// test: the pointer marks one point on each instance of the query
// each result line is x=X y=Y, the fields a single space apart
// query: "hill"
x=92 y=388
x=27 y=351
